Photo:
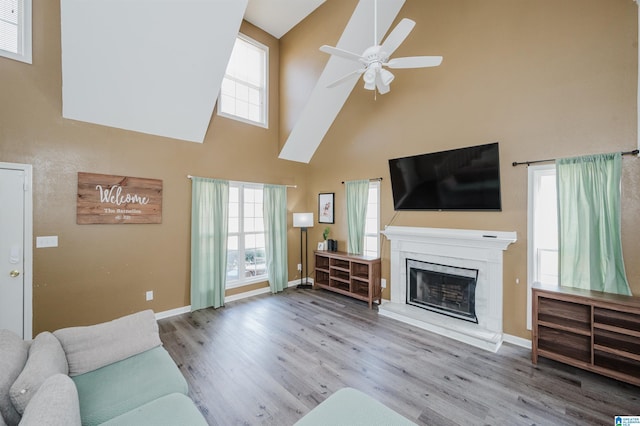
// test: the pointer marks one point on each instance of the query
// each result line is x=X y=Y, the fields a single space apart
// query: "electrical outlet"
x=149 y=295
x=383 y=283
x=299 y=267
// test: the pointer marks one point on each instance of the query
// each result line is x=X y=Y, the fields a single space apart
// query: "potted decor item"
x=325 y=234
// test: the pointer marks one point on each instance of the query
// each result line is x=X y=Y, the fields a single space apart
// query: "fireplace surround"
x=455 y=248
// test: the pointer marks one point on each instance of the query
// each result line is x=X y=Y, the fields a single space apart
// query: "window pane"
x=232 y=258
x=227 y=104
x=8 y=37
x=234 y=195
x=233 y=210
x=545 y=227
x=9 y=11
x=242 y=92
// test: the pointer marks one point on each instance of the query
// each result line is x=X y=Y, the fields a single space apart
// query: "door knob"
x=14 y=273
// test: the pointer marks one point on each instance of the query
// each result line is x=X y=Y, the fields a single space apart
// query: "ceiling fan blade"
x=345 y=78
x=339 y=52
x=397 y=36
x=415 y=62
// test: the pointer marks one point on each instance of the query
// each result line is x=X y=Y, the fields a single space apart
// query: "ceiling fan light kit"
x=375 y=58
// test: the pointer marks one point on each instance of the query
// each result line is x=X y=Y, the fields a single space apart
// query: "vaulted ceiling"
x=156 y=66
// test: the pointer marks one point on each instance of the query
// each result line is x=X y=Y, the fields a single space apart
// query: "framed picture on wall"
x=326 y=207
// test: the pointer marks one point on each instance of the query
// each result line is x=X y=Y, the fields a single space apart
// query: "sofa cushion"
x=89 y=348
x=120 y=387
x=46 y=358
x=174 y=409
x=13 y=356
x=55 y=404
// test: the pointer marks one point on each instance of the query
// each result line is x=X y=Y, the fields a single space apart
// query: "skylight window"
x=243 y=95
x=15 y=29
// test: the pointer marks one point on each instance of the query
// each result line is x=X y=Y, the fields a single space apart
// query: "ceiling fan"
x=375 y=59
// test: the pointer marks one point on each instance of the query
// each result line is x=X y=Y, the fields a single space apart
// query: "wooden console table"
x=352 y=275
x=595 y=331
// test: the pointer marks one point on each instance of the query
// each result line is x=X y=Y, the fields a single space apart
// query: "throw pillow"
x=46 y=358
x=13 y=356
x=55 y=404
x=89 y=348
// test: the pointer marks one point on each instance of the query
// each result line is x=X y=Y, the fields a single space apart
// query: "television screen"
x=459 y=179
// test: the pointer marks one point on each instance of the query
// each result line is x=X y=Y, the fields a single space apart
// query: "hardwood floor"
x=269 y=360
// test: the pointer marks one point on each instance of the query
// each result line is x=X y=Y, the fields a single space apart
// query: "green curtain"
x=357 y=197
x=275 y=223
x=589 y=241
x=209 y=228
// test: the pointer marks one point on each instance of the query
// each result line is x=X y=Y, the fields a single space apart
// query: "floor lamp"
x=303 y=221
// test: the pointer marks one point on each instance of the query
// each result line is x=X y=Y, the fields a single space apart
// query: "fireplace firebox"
x=448 y=290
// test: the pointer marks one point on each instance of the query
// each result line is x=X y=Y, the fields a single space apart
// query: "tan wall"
x=546 y=79
x=99 y=272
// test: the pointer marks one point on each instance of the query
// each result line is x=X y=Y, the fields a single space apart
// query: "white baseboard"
x=515 y=340
x=239 y=296
x=246 y=294
x=173 y=312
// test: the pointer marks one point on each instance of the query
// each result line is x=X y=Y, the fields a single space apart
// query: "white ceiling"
x=277 y=17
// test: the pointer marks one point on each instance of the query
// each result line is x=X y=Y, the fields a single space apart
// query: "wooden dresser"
x=595 y=331
x=349 y=274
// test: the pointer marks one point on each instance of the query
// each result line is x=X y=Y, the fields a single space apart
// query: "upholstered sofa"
x=114 y=373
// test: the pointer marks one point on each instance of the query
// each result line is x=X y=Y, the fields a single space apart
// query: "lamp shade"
x=303 y=220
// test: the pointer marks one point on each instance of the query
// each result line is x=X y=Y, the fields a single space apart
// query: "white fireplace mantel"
x=474 y=249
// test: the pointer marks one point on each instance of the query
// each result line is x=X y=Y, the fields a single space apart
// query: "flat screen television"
x=458 y=179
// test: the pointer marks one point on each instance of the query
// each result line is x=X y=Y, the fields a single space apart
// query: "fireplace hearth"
x=448 y=290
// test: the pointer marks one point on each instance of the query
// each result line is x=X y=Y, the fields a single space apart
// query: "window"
x=543 y=229
x=372 y=227
x=15 y=29
x=243 y=95
x=246 y=261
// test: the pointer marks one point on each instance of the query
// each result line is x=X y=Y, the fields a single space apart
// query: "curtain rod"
x=634 y=152
x=371 y=180
x=288 y=186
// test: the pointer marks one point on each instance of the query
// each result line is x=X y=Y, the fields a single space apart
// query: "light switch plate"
x=50 y=241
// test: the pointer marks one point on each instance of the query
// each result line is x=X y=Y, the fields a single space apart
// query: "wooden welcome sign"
x=118 y=199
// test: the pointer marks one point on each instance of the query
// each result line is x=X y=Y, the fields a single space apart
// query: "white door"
x=15 y=249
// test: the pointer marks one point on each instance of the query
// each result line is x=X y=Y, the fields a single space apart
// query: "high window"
x=372 y=227
x=243 y=95
x=543 y=228
x=15 y=29
x=246 y=261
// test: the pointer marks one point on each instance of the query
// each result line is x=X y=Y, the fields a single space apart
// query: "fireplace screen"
x=448 y=290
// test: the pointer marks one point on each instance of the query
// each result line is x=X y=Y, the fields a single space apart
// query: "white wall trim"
x=234 y=297
x=515 y=340
x=173 y=312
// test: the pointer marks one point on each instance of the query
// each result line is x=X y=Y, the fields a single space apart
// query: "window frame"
x=264 y=90
x=24 y=48
x=373 y=185
x=242 y=279
x=533 y=173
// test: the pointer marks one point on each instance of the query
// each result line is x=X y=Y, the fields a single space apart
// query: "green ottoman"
x=354 y=408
